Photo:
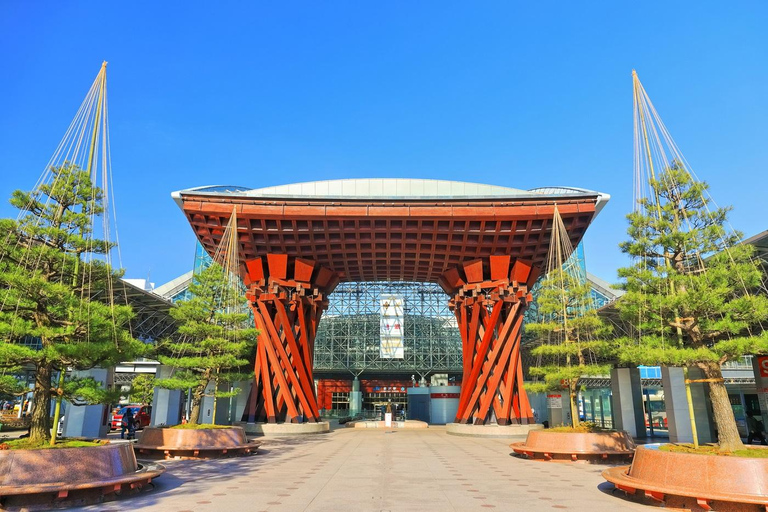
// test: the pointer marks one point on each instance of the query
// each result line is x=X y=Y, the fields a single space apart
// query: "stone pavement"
x=377 y=470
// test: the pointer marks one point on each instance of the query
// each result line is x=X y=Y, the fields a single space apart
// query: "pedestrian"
x=756 y=428
x=127 y=424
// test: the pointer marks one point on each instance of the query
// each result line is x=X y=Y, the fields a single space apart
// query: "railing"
x=743 y=362
x=10 y=421
x=345 y=413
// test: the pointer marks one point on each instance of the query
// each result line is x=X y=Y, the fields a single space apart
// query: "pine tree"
x=142 y=388
x=48 y=278
x=691 y=291
x=214 y=338
x=10 y=384
x=571 y=337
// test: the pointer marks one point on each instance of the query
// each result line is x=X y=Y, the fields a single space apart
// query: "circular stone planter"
x=492 y=431
x=30 y=478
x=692 y=481
x=587 y=446
x=286 y=429
x=194 y=444
x=403 y=425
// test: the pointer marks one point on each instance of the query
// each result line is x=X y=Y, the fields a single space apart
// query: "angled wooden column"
x=489 y=297
x=288 y=296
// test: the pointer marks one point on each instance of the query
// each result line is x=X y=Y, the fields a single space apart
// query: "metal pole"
x=690 y=408
x=602 y=409
x=57 y=409
x=97 y=119
x=648 y=407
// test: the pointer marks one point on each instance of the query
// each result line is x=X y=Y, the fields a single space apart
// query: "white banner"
x=391 y=327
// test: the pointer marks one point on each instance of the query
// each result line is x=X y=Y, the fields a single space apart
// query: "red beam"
x=492 y=380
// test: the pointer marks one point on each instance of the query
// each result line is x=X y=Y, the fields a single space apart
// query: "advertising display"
x=391 y=331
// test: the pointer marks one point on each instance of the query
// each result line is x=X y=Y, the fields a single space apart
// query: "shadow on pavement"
x=181 y=476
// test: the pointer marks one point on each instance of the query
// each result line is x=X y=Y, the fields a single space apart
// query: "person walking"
x=127 y=423
x=756 y=428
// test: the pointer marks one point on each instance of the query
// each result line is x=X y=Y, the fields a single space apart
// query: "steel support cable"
x=25 y=212
x=673 y=154
x=677 y=156
x=90 y=117
x=45 y=177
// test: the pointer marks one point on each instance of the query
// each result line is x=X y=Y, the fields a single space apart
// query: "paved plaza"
x=377 y=470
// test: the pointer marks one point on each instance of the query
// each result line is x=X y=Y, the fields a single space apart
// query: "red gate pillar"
x=489 y=298
x=288 y=297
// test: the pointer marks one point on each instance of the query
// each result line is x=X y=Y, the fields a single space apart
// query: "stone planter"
x=285 y=429
x=512 y=431
x=201 y=443
x=405 y=425
x=71 y=474
x=692 y=481
x=588 y=446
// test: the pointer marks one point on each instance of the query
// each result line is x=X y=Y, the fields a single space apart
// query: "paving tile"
x=368 y=470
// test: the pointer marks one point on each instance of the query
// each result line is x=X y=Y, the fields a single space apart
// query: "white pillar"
x=538 y=403
x=88 y=420
x=239 y=401
x=355 y=398
x=206 y=404
x=676 y=405
x=167 y=404
x=222 y=405
x=627 y=391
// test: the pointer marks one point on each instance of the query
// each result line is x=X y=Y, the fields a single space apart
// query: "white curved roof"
x=387 y=187
x=392 y=188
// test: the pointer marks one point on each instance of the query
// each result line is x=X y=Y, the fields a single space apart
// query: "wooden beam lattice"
x=489 y=298
x=287 y=303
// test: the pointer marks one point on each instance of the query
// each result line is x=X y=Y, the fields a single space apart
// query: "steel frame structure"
x=348 y=336
x=152 y=319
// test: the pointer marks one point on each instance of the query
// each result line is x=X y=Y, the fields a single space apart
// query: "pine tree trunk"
x=573 y=397
x=727 y=433
x=40 y=427
x=197 y=398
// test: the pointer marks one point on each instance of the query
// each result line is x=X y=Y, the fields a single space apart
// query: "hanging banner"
x=391 y=327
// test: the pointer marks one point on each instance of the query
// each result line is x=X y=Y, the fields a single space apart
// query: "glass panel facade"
x=348 y=337
x=595 y=406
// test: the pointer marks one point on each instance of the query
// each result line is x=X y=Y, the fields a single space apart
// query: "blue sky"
x=256 y=94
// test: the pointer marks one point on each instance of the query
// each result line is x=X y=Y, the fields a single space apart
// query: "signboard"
x=763 y=401
x=555 y=401
x=444 y=395
x=760 y=369
x=762 y=365
x=391 y=327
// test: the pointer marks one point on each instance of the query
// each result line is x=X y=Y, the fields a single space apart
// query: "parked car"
x=141 y=415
